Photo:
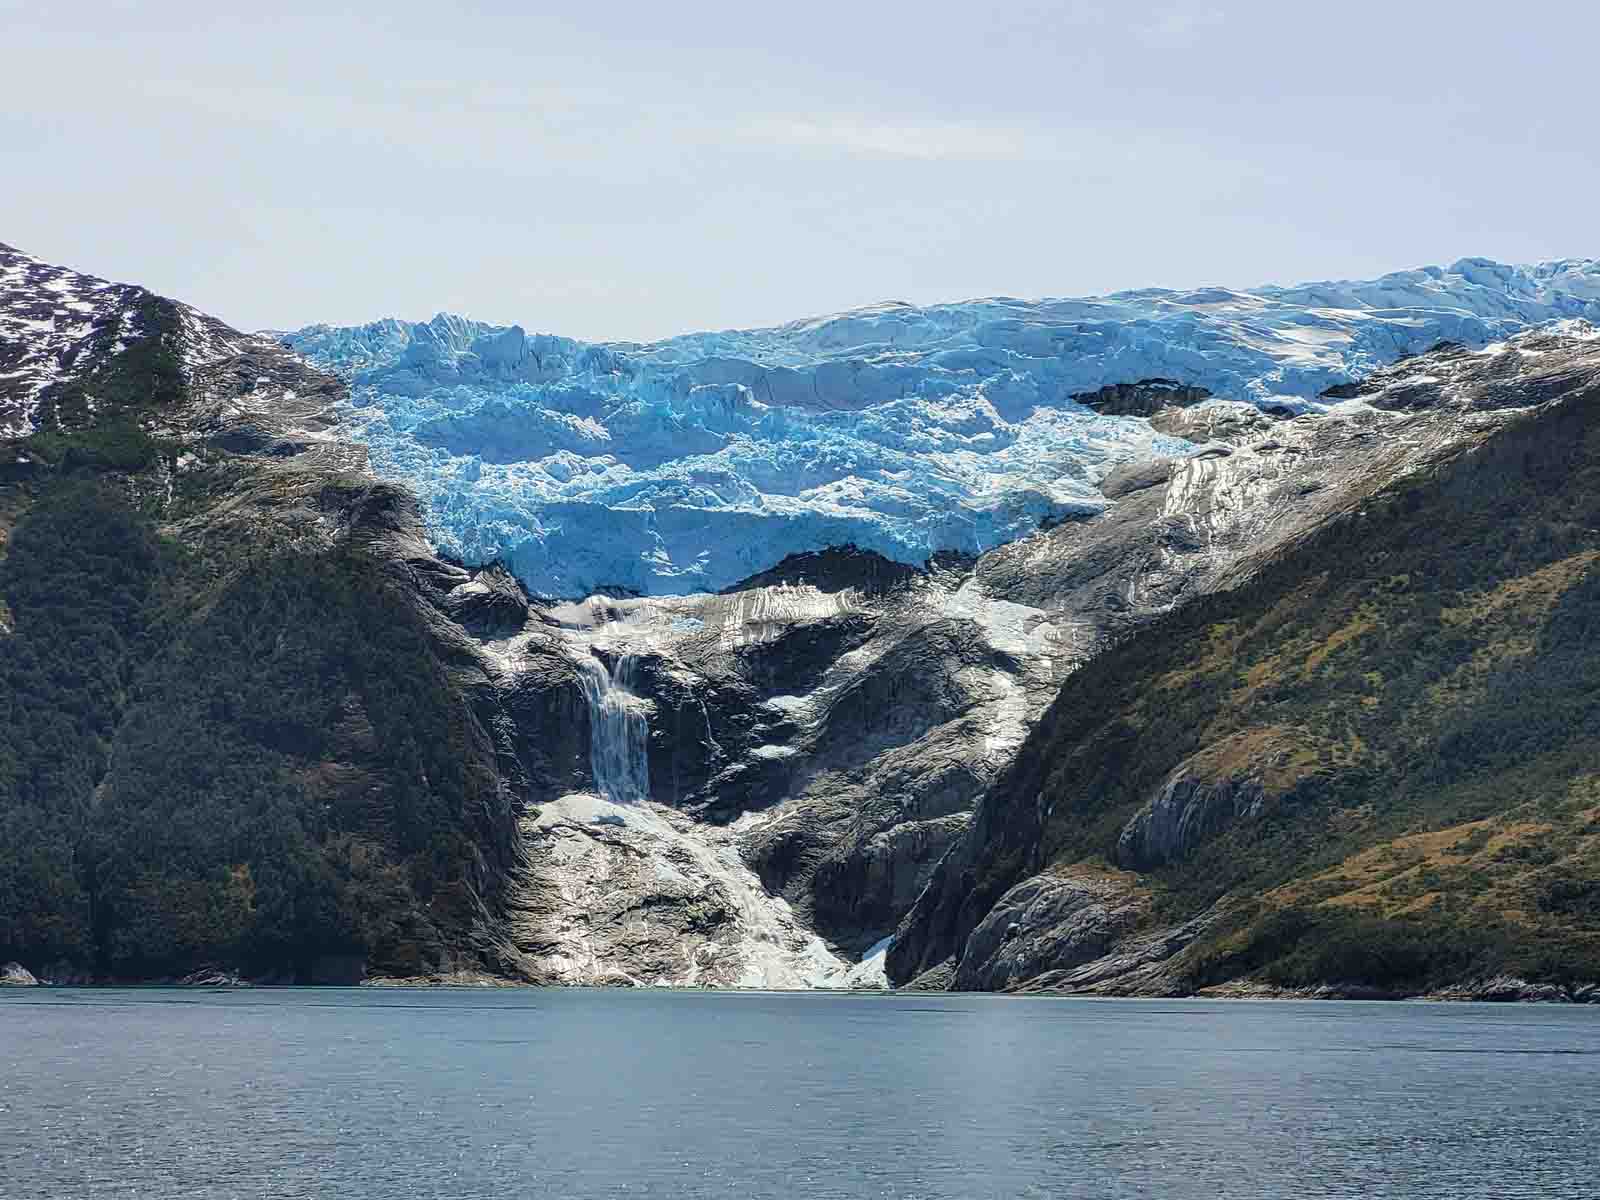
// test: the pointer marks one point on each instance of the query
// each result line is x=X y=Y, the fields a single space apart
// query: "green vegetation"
x=1429 y=665
x=145 y=376
x=119 y=445
x=77 y=579
x=253 y=757
x=1305 y=946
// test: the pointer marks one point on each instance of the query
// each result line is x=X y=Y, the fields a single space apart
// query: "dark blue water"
x=384 y=1094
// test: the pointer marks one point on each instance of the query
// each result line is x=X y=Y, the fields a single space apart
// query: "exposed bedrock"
x=637 y=894
x=842 y=715
x=1051 y=922
x=1184 y=813
x=1304 y=611
x=1234 y=780
x=1142 y=399
x=16 y=975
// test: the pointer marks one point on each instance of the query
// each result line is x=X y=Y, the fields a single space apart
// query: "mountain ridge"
x=299 y=741
x=1264 y=776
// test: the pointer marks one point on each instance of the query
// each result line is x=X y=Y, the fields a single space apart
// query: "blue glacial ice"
x=689 y=464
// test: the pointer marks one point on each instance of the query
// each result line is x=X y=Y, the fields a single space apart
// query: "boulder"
x=213 y=977
x=16 y=975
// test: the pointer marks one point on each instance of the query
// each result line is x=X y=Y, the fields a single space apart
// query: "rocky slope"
x=1365 y=758
x=238 y=728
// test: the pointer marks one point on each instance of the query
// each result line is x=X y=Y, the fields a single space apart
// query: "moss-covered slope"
x=1376 y=762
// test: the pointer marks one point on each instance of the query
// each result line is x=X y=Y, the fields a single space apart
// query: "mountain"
x=1367 y=765
x=1148 y=644
x=233 y=731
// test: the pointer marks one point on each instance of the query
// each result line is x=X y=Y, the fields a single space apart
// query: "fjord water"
x=465 y=1094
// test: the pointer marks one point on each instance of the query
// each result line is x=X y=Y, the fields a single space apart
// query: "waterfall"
x=619 y=725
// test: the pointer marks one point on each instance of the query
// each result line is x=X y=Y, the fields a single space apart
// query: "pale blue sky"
x=630 y=170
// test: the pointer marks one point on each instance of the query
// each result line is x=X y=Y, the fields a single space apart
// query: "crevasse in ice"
x=689 y=464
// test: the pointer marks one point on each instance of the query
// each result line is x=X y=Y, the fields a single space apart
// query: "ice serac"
x=687 y=465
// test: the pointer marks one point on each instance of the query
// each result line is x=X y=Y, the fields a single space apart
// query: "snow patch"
x=872 y=972
x=629 y=853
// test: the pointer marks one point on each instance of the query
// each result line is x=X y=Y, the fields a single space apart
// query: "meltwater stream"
x=619 y=729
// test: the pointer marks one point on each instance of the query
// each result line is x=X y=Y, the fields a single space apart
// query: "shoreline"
x=1499 y=991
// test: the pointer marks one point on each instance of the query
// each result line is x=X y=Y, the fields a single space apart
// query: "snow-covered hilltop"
x=55 y=326
x=61 y=331
x=689 y=464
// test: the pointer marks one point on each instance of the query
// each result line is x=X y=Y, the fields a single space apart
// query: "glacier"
x=690 y=464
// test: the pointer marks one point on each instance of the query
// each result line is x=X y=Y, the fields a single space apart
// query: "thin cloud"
x=928 y=141
x=1180 y=23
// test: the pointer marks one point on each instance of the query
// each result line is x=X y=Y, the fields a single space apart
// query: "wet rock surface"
x=640 y=895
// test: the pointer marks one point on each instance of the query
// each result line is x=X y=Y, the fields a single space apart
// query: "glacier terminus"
x=687 y=465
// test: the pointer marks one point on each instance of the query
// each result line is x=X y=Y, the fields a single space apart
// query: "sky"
x=631 y=170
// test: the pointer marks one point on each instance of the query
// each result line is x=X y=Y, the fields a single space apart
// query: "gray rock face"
x=1145 y=962
x=1047 y=923
x=637 y=894
x=215 y=977
x=830 y=729
x=1143 y=399
x=1508 y=989
x=934 y=979
x=1135 y=477
x=490 y=602
x=1183 y=814
x=14 y=974
x=863 y=886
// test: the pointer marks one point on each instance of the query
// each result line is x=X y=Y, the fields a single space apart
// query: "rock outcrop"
x=1208 y=792
x=1048 y=923
x=1316 y=652
x=1143 y=399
